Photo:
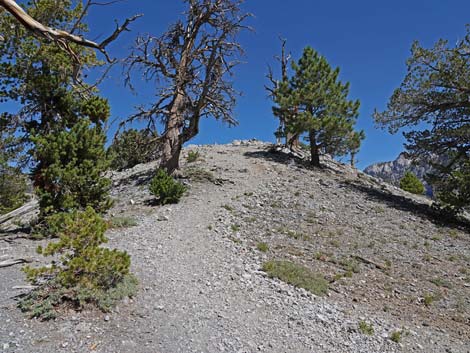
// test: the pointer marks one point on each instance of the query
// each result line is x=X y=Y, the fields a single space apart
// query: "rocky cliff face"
x=393 y=171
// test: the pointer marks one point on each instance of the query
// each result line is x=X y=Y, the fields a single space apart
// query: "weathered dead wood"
x=14 y=262
x=24 y=287
x=63 y=38
x=28 y=207
x=191 y=64
x=370 y=262
x=58 y=35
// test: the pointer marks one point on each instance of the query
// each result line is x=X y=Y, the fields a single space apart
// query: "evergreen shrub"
x=85 y=273
x=165 y=188
x=411 y=183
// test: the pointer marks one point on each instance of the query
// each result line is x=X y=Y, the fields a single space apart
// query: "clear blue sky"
x=369 y=40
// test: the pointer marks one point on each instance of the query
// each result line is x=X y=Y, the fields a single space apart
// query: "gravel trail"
x=199 y=290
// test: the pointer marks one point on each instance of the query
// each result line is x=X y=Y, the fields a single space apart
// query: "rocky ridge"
x=393 y=171
x=391 y=263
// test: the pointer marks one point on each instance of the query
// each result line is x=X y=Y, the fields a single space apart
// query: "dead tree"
x=291 y=140
x=64 y=38
x=191 y=65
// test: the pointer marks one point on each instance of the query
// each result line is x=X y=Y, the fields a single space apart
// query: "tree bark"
x=194 y=57
x=172 y=139
x=172 y=145
x=353 y=160
x=314 y=152
x=292 y=141
x=171 y=154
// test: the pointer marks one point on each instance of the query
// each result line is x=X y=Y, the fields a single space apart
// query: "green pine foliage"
x=38 y=76
x=317 y=104
x=53 y=110
x=432 y=105
x=13 y=183
x=13 y=188
x=452 y=185
x=85 y=272
x=69 y=175
x=353 y=144
x=133 y=147
x=411 y=183
x=165 y=188
x=62 y=119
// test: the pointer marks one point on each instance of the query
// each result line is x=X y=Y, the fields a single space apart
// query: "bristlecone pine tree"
x=191 y=65
x=353 y=145
x=283 y=114
x=40 y=78
x=411 y=183
x=319 y=106
x=434 y=100
x=64 y=119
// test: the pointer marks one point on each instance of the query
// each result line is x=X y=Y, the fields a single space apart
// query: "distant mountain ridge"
x=393 y=171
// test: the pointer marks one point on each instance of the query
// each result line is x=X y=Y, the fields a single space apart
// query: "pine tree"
x=433 y=101
x=277 y=88
x=191 y=64
x=63 y=119
x=84 y=273
x=133 y=147
x=41 y=78
x=13 y=184
x=354 y=144
x=69 y=173
x=319 y=106
x=411 y=183
x=13 y=188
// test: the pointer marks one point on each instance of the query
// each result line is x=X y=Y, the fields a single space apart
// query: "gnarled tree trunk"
x=292 y=141
x=172 y=142
x=314 y=150
x=192 y=63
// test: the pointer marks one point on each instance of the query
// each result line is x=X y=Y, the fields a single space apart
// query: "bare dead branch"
x=9 y=263
x=191 y=65
x=64 y=38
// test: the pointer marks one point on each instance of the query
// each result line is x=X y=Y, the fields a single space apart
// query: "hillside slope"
x=390 y=262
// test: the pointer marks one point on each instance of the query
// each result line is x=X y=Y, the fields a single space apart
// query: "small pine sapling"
x=165 y=188
x=411 y=183
x=85 y=272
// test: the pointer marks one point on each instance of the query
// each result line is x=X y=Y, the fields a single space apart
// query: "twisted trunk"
x=314 y=150
x=292 y=141
x=172 y=139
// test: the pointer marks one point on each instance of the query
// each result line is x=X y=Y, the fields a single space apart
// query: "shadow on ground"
x=285 y=158
x=137 y=179
x=11 y=235
x=432 y=213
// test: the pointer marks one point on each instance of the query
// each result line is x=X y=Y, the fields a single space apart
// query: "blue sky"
x=369 y=40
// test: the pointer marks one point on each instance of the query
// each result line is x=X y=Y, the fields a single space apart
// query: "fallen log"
x=370 y=262
x=8 y=263
x=24 y=287
x=26 y=208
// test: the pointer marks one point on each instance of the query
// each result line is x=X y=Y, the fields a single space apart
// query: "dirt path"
x=199 y=291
